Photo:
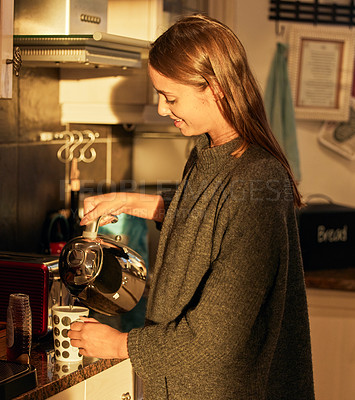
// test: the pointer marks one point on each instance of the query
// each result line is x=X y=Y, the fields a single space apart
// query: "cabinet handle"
x=16 y=61
x=126 y=396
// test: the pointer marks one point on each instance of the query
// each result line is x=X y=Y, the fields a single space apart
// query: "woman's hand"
x=137 y=204
x=98 y=340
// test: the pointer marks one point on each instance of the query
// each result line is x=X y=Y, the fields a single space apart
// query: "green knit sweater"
x=227 y=313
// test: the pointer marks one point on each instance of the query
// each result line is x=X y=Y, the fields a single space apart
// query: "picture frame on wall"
x=321 y=64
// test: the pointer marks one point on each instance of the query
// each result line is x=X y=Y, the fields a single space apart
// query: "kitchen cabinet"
x=112 y=96
x=147 y=19
x=223 y=10
x=103 y=96
x=6 y=47
x=139 y=19
x=117 y=382
x=332 y=321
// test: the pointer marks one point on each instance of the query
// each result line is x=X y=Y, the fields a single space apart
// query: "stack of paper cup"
x=19 y=328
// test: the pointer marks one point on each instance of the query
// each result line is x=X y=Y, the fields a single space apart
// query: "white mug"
x=63 y=316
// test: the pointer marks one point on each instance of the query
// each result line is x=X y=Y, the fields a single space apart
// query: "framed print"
x=321 y=64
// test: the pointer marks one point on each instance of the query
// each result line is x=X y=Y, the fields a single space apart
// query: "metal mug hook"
x=92 y=136
x=66 y=146
x=76 y=143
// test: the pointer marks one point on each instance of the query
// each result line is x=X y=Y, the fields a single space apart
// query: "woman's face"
x=193 y=111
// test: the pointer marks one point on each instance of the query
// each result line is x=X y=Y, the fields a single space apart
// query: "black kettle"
x=103 y=273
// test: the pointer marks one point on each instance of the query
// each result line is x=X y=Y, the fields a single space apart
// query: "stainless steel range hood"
x=82 y=50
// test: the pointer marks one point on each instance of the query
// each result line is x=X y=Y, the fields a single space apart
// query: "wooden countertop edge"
x=332 y=279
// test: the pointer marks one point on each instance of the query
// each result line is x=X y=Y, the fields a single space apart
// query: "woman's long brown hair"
x=201 y=51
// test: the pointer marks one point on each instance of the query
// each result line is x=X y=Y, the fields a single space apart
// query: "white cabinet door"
x=332 y=321
x=140 y=19
x=147 y=19
x=116 y=382
x=6 y=47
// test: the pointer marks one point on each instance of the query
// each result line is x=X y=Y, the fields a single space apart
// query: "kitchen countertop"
x=332 y=279
x=53 y=376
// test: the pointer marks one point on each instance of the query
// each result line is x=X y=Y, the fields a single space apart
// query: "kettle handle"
x=92 y=228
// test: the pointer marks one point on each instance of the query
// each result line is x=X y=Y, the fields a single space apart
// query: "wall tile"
x=94 y=173
x=113 y=140
x=8 y=196
x=122 y=154
x=121 y=160
x=9 y=116
x=38 y=102
x=40 y=181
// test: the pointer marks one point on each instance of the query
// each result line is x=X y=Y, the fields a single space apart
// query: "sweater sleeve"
x=229 y=314
x=167 y=198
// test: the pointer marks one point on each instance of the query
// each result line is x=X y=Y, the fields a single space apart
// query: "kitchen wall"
x=32 y=179
x=28 y=185
x=323 y=171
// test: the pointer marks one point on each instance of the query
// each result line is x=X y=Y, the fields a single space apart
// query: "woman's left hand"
x=98 y=340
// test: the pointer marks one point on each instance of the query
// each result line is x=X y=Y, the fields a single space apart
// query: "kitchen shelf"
x=315 y=12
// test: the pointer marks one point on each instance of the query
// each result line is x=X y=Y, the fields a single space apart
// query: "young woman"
x=227 y=313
